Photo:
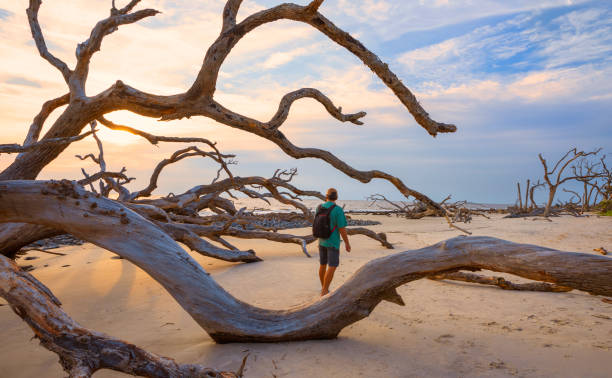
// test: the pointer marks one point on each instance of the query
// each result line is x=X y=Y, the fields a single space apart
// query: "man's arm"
x=344 y=235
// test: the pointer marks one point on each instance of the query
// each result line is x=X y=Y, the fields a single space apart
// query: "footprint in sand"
x=548 y=330
x=444 y=339
x=560 y=322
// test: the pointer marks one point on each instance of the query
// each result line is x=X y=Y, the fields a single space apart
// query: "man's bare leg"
x=329 y=276
x=322 y=274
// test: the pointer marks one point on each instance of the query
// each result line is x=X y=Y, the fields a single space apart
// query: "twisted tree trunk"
x=116 y=228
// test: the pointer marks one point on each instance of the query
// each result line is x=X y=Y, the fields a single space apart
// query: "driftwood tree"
x=603 y=185
x=145 y=231
x=529 y=207
x=554 y=178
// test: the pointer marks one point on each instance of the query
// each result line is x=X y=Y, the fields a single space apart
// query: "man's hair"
x=331 y=195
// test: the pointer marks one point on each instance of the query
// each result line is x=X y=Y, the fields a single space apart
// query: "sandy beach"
x=448 y=329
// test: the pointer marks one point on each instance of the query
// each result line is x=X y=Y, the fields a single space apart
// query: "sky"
x=518 y=78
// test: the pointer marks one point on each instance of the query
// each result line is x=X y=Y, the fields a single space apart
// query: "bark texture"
x=82 y=352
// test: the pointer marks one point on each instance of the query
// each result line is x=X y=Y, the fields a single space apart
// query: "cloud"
x=533 y=41
x=390 y=19
x=280 y=58
x=22 y=81
x=4 y=14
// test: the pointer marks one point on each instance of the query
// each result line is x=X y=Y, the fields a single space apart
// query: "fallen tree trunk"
x=112 y=226
x=500 y=282
x=14 y=236
x=81 y=351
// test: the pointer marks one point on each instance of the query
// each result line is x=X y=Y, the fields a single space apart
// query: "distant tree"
x=554 y=178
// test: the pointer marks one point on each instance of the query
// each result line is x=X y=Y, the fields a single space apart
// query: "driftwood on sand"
x=227 y=319
x=145 y=230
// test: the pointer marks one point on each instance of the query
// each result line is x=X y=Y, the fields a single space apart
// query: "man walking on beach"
x=329 y=248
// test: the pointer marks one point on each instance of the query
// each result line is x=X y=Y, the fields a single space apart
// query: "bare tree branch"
x=177 y=156
x=285 y=105
x=38 y=122
x=87 y=49
x=16 y=148
x=37 y=35
x=153 y=139
x=229 y=14
x=197 y=244
x=558 y=169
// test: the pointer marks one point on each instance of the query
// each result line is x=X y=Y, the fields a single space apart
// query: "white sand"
x=446 y=329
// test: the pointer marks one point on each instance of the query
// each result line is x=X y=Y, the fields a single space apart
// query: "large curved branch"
x=82 y=351
x=226 y=116
x=205 y=84
x=226 y=319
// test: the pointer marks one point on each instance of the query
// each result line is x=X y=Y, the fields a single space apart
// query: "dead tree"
x=603 y=185
x=554 y=178
x=587 y=173
x=531 y=192
x=145 y=231
x=198 y=100
x=453 y=212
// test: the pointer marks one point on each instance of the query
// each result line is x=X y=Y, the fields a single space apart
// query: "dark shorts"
x=329 y=256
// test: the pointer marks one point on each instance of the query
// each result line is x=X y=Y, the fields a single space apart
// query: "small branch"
x=87 y=49
x=42 y=250
x=380 y=237
x=177 y=156
x=128 y=8
x=197 y=244
x=16 y=148
x=38 y=122
x=153 y=139
x=229 y=14
x=285 y=105
x=313 y=7
x=37 y=34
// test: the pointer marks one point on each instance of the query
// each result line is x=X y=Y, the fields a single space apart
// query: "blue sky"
x=517 y=77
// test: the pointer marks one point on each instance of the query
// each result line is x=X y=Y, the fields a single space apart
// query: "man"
x=329 y=249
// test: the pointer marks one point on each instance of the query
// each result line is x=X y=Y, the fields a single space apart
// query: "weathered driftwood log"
x=116 y=228
x=82 y=352
x=500 y=282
